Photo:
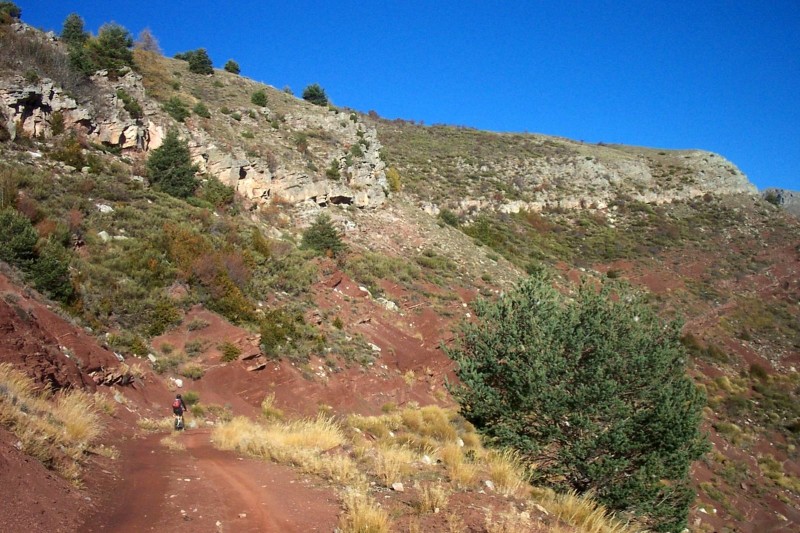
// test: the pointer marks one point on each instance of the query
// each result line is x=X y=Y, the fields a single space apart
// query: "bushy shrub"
x=323 y=238
x=201 y=110
x=9 y=12
x=393 y=178
x=230 y=352
x=332 y=172
x=177 y=109
x=17 y=238
x=130 y=104
x=170 y=168
x=279 y=328
x=216 y=193
x=232 y=66
x=591 y=390
x=449 y=218
x=259 y=98
x=50 y=272
x=315 y=94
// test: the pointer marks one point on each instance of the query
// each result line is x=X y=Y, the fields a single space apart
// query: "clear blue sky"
x=718 y=75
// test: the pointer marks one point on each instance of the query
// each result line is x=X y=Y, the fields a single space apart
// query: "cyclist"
x=178 y=407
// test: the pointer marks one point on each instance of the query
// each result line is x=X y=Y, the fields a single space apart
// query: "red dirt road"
x=202 y=489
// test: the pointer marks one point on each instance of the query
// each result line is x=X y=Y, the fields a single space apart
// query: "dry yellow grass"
x=297 y=442
x=268 y=409
x=55 y=430
x=506 y=471
x=155 y=424
x=392 y=463
x=584 y=513
x=362 y=515
x=432 y=497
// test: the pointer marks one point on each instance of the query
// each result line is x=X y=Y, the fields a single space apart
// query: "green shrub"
x=195 y=347
x=230 y=352
x=130 y=104
x=50 y=272
x=191 y=398
x=236 y=116
x=216 y=193
x=278 y=329
x=70 y=153
x=192 y=371
x=9 y=12
x=323 y=238
x=232 y=66
x=332 y=172
x=170 y=168
x=592 y=390
x=17 y=239
x=201 y=110
x=449 y=218
x=315 y=94
x=197 y=323
x=259 y=98
x=177 y=109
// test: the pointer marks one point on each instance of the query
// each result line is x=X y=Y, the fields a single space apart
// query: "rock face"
x=784 y=198
x=34 y=109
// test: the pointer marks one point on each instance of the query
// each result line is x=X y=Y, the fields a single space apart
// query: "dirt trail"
x=202 y=489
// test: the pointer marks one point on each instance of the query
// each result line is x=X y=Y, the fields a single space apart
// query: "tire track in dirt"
x=202 y=489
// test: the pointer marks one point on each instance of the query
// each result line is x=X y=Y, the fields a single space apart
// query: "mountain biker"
x=178 y=407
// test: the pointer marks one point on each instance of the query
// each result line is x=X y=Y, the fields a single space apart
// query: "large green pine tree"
x=170 y=168
x=591 y=390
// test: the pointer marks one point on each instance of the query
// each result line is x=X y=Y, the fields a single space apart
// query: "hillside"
x=132 y=294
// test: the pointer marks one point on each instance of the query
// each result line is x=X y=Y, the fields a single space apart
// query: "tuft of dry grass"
x=584 y=513
x=155 y=424
x=297 y=442
x=507 y=472
x=432 y=497
x=268 y=409
x=57 y=430
x=362 y=515
x=461 y=472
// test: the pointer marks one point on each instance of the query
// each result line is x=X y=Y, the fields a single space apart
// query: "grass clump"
x=230 y=352
x=55 y=429
x=362 y=515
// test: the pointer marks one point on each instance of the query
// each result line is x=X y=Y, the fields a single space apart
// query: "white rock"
x=375 y=347
x=489 y=484
x=104 y=208
x=397 y=487
x=152 y=358
x=104 y=236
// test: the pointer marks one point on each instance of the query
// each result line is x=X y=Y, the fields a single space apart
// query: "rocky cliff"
x=788 y=200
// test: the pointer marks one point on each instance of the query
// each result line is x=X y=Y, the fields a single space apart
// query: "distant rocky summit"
x=788 y=200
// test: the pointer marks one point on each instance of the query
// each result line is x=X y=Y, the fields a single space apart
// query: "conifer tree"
x=73 y=33
x=315 y=94
x=170 y=168
x=200 y=63
x=323 y=238
x=592 y=390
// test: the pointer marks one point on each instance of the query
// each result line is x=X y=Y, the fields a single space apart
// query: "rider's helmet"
x=178 y=396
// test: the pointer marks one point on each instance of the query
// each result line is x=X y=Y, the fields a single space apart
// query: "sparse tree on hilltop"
x=147 y=42
x=73 y=33
x=315 y=94
x=200 y=63
x=9 y=12
x=592 y=392
x=232 y=67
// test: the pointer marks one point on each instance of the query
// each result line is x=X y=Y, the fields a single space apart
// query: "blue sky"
x=717 y=75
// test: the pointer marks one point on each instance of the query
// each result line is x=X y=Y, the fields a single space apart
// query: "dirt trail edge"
x=202 y=489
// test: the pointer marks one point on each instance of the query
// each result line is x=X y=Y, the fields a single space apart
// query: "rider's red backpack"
x=176 y=404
